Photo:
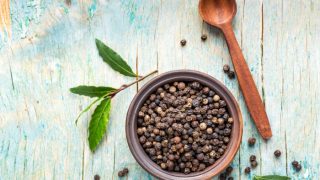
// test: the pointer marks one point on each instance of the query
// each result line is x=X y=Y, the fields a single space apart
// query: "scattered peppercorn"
x=252 y=158
x=121 y=174
x=229 y=170
x=96 y=177
x=247 y=170
x=126 y=170
x=226 y=68
x=222 y=176
x=251 y=141
x=183 y=42
x=204 y=37
x=184 y=127
x=277 y=153
x=254 y=164
x=296 y=165
x=231 y=74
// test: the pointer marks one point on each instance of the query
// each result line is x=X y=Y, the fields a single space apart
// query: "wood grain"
x=52 y=49
x=5 y=21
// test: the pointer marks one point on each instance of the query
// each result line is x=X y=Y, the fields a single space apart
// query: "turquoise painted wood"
x=52 y=48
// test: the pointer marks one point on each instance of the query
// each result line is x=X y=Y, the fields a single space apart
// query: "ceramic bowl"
x=185 y=76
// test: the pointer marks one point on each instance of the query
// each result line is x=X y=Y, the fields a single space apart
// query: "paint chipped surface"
x=52 y=48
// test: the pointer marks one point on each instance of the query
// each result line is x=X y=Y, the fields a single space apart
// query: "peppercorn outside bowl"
x=185 y=76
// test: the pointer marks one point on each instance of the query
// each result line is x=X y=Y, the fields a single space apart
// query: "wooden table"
x=48 y=46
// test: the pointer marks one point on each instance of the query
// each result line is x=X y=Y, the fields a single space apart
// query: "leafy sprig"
x=100 y=117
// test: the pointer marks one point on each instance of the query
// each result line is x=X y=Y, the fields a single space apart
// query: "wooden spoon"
x=219 y=13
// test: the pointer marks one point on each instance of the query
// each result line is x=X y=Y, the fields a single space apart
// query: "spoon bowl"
x=217 y=12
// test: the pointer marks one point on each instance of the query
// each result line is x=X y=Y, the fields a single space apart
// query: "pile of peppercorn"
x=184 y=127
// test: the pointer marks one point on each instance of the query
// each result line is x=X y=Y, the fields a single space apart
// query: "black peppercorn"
x=163 y=165
x=195 y=85
x=176 y=169
x=251 y=141
x=252 y=158
x=170 y=165
x=188 y=155
x=211 y=93
x=200 y=156
x=254 y=164
x=188 y=164
x=194 y=124
x=171 y=157
x=195 y=162
x=247 y=170
x=194 y=146
x=210 y=131
x=183 y=42
x=230 y=178
x=125 y=170
x=298 y=167
x=158 y=138
x=230 y=120
x=157 y=146
x=152 y=151
x=181 y=86
x=186 y=170
x=176 y=140
x=142 y=139
x=294 y=163
x=182 y=165
x=203 y=126
x=231 y=74
x=222 y=176
x=229 y=170
x=277 y=153
x=226 y=68
x=216 y=98
x=201 y=167
x=121 y=173
x=96 y=177
x=204 y=37
x=195 y=103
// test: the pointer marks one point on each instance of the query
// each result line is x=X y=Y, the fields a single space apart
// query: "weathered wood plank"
x=273 y=89
x=300 y=87
x=250 y=31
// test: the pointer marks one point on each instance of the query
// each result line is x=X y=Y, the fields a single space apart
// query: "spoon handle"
x=247 y=85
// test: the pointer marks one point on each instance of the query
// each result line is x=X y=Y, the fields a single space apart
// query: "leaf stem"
x=88 y=107
x=125 y=86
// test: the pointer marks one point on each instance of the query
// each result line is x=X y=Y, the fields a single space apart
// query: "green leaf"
x=271 y=177
x=98 y=123
x=87 y=108
x=92 y=91
x=113 y=59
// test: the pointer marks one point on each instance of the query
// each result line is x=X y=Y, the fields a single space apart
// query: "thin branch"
x=125 y=86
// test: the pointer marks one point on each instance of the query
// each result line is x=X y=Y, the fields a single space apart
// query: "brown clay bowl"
x=185 y=76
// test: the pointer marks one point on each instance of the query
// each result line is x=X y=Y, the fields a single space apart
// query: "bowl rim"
x=183 y=75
